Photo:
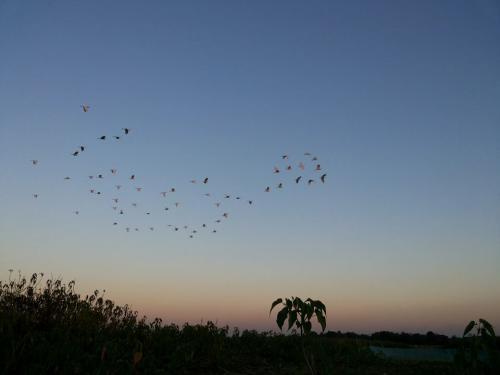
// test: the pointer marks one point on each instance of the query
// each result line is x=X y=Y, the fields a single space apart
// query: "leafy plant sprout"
x=300 y=313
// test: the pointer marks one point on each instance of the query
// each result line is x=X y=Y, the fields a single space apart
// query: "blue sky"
x=398 y=100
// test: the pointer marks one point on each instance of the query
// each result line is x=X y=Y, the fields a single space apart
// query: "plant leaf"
x=292 y=318
x=281 y=317
x=321 y=319
x=469 y=327
x=488 y=326
x=278 y=301
x=307 y=327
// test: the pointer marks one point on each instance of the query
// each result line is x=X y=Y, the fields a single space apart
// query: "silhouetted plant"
x=478 y=352
x=299 y=314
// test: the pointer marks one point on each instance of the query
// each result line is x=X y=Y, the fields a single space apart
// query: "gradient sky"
x=400 y=101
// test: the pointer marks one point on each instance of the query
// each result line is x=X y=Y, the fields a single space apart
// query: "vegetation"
x=300 y=313
x=47 y=328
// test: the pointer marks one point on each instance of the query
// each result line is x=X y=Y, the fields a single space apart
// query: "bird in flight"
x=138 y=188
x=307 y=154
x=118 y=187
x=318 y=167
x=217 y=204
x=323 y=178
x=268 y=189
x=85 y=107
x=126 y=130
x=164 y=194
x=314 y=158
x=92 y=191
x=34 y=162
x=115 y=208
x=134 y=204
x=132 y=177
x=76 y=212
x=67 y=178
x=113 y=171
x=172 y=190
x=75 y=153
x=276 y=170
x=99 y=176
x=91 y=177
x=289 y=168
x=193 y=181
x=82 y=148
x=225 y=214
x=250 y=202
x=35 y=195
x=116 y=137
x=284 y=157
x=301 y=166
x=310 y=182
x=176 y=204
x=298 y=179
x=205 y=180
x=102 y=138
x=207 y=194
x=115 y=200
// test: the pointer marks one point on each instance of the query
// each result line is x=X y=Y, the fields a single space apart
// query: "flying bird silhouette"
x=102 y=138
x=307 y=154
x=75 y=153
x=116 y=137
x=85 y=107
x=280 y=185
x=34 y=162
x=193 y=181
x=113 y=171
x=284 y=157
x=205 y=180
x=276 y=170
x=323 y=178
x=164 y=194
x=310 y=182
x=126 y=130
x=35 y=195
x=132 y=177
x=250 y=202
x=301 y=166
x=118 y=187
x=172 y=190
x=318 y=167
x=225 y=214
x=67 y=178
x=298 y=179
x=138 y=188
x=82 y=148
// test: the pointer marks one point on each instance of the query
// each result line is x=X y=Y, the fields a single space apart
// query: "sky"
x=398 y=100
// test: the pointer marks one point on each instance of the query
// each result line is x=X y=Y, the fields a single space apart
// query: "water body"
x=416 y=354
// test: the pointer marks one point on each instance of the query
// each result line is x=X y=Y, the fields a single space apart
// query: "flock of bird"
x=119 y=205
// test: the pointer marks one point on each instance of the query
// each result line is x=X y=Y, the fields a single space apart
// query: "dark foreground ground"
x=49 y=329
